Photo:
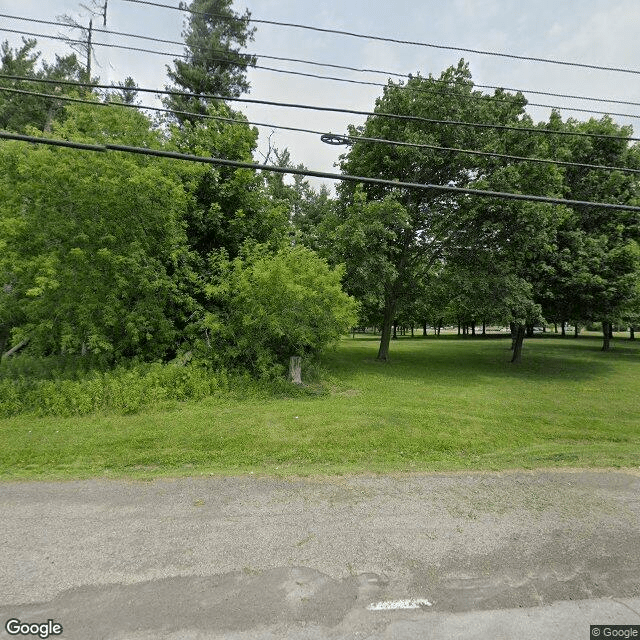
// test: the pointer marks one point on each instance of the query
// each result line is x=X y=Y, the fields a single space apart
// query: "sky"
x=598 y=32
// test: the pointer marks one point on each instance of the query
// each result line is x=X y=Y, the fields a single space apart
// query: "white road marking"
x=413 y=603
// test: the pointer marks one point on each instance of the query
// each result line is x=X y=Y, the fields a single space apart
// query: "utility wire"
x=40 y=35
x=395 y=74
x=392 y=40
x=348 y=139
x=251 y=56
x=93 y=43
x=310 y=173
x=408 y=118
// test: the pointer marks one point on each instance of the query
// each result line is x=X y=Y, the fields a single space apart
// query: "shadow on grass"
x=456 y=358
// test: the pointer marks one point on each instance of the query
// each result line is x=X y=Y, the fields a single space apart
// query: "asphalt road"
x=502 y=555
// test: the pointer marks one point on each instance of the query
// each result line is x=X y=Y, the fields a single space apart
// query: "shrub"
x=272 y=307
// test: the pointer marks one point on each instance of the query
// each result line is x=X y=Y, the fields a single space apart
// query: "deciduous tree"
x=268 y=307
x=433 y=222
x=94 y=243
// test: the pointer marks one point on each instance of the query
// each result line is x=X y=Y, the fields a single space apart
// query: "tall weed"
x=43 y=389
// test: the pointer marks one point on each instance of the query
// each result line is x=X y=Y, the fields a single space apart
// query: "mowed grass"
x=439 y=404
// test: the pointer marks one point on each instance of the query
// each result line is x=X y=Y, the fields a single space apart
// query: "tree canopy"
x=93 y=241
x=20 y=111
x=397 y=243
x=127 y=256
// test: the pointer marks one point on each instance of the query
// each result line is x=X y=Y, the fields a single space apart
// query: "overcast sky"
x=601 y=32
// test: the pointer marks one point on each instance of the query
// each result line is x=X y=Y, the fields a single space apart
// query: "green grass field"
x=440 y=404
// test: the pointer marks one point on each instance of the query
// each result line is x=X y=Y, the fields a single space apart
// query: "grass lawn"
x=440 y=404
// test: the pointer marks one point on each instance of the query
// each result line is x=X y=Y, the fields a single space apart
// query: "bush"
x=272 y=307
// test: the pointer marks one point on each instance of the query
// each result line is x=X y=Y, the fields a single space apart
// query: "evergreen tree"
x=214 y=36
x=19 y=111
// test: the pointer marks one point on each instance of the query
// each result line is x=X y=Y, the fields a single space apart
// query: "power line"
x=392 y=40
x=41 y=35
x=310 y=173
x=96 y=44
x=408 y=118
x=251 y=56
x=346 y=139
x=346 y=67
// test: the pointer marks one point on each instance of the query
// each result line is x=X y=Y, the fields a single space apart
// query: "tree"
x=369 y=237
x=19 y=111
x=94 y=243
x=515 y=239
x=227 y=206
x=214 y=36
x=433 y=222
x=307 y=208
x=594 y=272
x=127 y=94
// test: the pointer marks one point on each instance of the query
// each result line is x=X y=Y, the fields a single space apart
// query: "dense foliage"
x=417 y=256
x=268 y=308
x=93 y=242
x=18 y=111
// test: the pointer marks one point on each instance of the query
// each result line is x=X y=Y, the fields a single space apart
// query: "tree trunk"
x=514 y=331
x=295 y=369
x=459 y=327
x=395 y=330
x=424 y=328
x=564 y=329
x=389 y=313
x=412 y=331
x=530 y=329
x=576 y=330
x=606 y=335
x=632 y=333
x=518 y=339
x=484 y=328
x=473 y=328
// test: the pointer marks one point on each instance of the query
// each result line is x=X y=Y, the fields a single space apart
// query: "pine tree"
x=214 y=36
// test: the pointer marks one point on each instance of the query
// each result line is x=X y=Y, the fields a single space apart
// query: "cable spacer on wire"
x=334 y=139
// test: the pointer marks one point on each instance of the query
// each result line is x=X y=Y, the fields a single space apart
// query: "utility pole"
x=98 y=10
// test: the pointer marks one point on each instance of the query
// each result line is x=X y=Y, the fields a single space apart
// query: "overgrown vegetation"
x=52 y=387
x=136 y=258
